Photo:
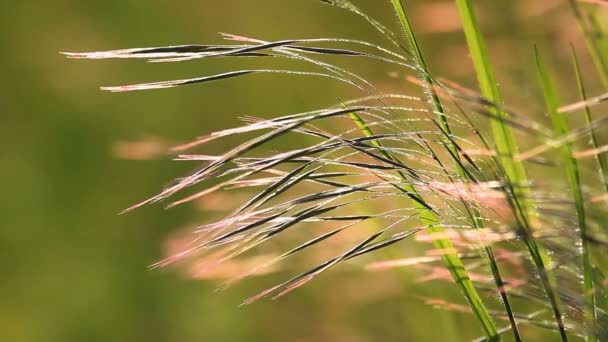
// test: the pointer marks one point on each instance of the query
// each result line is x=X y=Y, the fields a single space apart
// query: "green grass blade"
x=451 y=260
x=602 y=163
x=590 y=31
x=507 y=149
x=503 y=135
x=478 y=222
x=561 y=127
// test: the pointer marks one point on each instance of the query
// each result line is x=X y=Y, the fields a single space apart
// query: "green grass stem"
x=602 y=163
x=507 y=149
x=452 y=261
x=561 y=128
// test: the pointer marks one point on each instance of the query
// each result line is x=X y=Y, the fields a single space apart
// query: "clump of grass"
x=406 y=159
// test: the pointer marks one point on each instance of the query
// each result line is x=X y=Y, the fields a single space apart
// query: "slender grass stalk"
x=428 y=82
x=500 y=285
x=602 y=163
x=590 y=30
x=561 y=127
x=503 y=134
x=507 y=149
x=452 y=261
x=477 y=221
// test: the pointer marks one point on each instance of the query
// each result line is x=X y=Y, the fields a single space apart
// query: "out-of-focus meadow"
x=73 y=157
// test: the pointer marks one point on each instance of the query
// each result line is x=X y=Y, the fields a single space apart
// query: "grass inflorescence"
x=422 y=167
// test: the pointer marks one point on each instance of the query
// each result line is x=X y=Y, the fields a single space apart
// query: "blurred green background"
x=73 y=270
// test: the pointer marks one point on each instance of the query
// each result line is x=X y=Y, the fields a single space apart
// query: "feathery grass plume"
x=420 y=167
